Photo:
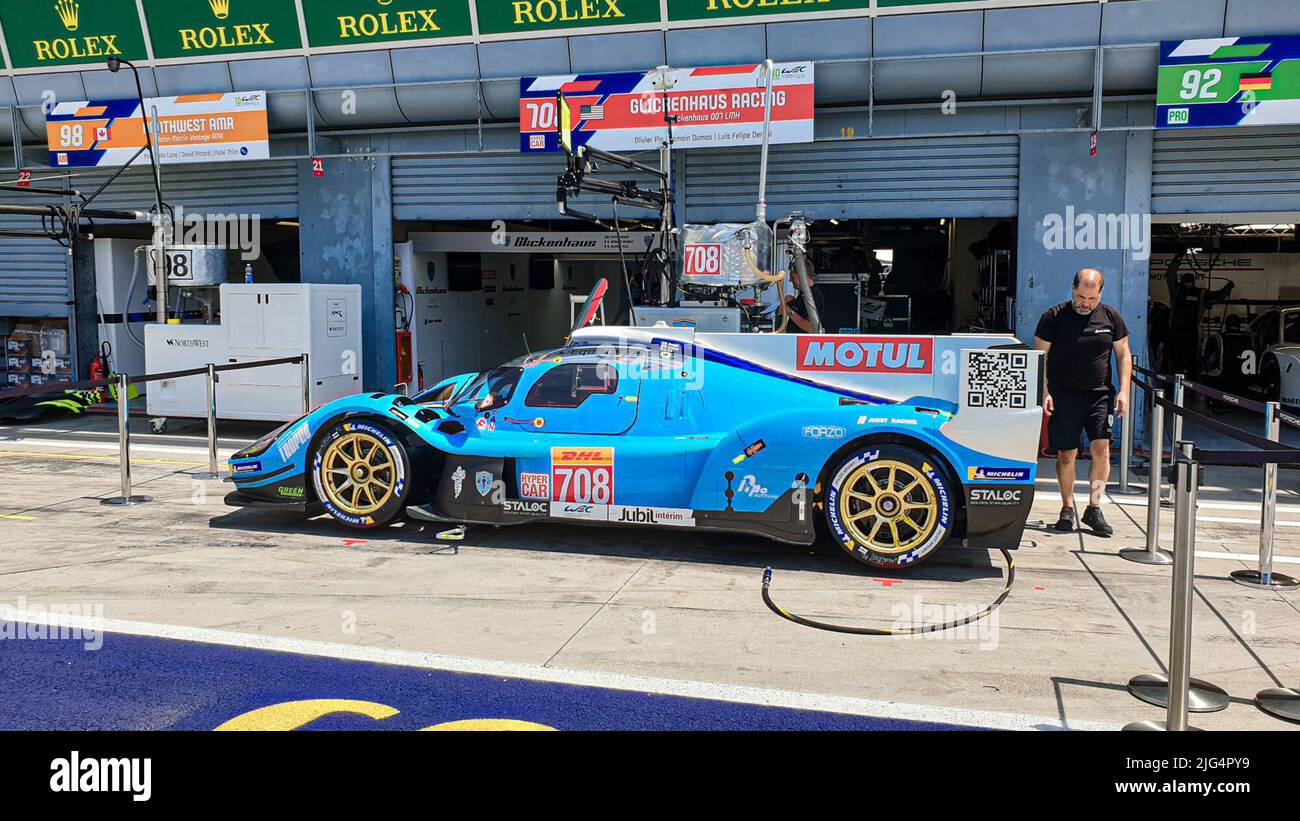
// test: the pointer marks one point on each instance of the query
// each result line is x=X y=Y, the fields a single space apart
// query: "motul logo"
x=865 y=354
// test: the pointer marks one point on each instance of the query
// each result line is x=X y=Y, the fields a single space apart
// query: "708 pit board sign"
x=1229 y=81
x=191 y=128
x=624 y=111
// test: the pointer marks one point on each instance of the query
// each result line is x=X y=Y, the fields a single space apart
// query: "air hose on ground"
x=885 y=631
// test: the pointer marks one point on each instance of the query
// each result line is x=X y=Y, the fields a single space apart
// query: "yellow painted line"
x=20 y=518
x=98 y=458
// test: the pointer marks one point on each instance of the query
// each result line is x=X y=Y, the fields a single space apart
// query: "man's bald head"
x=1086 y=293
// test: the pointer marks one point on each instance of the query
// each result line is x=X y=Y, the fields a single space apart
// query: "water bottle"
x=248 y=274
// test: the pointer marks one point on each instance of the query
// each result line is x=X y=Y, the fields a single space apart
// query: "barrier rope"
x=1217 y=395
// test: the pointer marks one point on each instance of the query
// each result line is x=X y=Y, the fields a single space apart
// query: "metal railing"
x=121 y=383
x=1264 y=577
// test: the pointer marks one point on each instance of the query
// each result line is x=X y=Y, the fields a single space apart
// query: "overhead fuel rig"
x=714 y=274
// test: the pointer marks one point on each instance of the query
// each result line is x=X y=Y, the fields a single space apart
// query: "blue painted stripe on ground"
x=143 y=683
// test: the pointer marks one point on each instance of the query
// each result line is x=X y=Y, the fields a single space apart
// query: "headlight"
x=262 y=445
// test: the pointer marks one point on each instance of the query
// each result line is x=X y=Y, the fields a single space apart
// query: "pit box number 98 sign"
x=703 y=260
x=584 y=475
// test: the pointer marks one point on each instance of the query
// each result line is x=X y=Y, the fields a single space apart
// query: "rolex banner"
x=710 y=107
x=1228 y=81
x=187 y=129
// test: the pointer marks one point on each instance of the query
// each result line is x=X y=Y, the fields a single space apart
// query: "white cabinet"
x=263 y=322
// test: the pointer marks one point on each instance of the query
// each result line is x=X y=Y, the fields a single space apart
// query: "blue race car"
x=890 y=445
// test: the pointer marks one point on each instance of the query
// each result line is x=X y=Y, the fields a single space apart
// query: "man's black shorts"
x=1077 y=412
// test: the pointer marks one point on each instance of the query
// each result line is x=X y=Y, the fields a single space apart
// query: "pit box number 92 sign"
x=584 y=475
x=703 y=260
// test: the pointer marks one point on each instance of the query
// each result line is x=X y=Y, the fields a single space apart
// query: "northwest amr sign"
x=624 y=111
x=190 y=128
x=1228 y=81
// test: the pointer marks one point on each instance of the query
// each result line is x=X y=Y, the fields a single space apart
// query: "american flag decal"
x=592 y=112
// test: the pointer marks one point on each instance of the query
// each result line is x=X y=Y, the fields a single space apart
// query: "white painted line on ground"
x=1051 y=480
x=136 y=446
x=583 y=678
x=1243 y=557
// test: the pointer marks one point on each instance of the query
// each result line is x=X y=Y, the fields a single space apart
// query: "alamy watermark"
x=1089 y=231
x=917 y=614
x=61 y=621
x=237 y=232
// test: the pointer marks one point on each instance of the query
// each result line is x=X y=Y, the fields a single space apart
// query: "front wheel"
x=888 y=506
x=1271 y=379
x=361 y=474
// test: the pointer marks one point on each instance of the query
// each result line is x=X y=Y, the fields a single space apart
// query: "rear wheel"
x=361 y=473
x=888 y=506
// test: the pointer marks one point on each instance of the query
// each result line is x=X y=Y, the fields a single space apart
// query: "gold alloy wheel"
x=888 y=506
x=358 y=473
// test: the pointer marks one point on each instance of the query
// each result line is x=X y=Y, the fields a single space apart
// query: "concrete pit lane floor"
x=626 y=610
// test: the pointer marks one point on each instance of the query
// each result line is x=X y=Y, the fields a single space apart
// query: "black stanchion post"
x=213 y=471
x=1264 y=577
x=1178 y=692
x=1156 y=434
x=124 y=447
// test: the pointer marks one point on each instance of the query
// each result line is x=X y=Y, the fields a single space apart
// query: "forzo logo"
x=870 y=354
x=824 y=432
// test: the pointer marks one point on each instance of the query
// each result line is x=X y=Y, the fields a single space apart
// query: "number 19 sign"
x=1229 y=81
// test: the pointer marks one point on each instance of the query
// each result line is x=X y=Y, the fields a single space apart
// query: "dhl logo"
x=582 y=456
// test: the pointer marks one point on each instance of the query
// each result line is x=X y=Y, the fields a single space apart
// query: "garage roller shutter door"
x=34 y=272
x=266 y=188
x=487 y=186
x=1213 y=171
x=860 y=179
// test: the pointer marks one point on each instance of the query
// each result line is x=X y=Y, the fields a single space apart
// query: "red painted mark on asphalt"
x=888 y=582
x=351 y=542
x=1040 y=588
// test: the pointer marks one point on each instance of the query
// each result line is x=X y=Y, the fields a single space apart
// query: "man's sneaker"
x=1092 y=518
x=1066 y=522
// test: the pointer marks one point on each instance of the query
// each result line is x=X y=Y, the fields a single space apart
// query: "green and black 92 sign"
x=47 y=33
x=1229 y=81
x=197 y=28
x=354 y=22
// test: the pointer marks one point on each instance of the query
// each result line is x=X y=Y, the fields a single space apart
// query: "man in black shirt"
x=1079 y=337
x=1188 y=304
x=793 y=305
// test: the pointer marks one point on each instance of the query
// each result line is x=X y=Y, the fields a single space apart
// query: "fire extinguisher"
x=99 y=367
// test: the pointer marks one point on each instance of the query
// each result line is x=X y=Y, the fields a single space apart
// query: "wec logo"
x=870 y=354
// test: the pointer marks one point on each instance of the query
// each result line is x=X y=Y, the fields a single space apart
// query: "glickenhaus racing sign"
x=712 y=107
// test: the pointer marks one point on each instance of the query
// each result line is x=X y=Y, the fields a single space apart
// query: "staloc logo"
x=126 y=775
x=996 y=496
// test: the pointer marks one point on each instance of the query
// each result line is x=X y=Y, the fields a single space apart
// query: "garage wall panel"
x=1238 y=170
x=860 y=179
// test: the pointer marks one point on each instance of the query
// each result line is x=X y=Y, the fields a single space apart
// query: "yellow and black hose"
x=885 y=631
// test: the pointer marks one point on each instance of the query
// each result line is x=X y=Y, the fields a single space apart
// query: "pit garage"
x=1224 y=307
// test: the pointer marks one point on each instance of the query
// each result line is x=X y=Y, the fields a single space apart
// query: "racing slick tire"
x=362 y=474
x=888 y=505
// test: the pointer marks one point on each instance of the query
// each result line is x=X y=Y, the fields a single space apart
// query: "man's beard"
x=1080 y=311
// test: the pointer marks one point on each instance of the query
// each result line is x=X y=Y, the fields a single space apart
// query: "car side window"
x=568 y=386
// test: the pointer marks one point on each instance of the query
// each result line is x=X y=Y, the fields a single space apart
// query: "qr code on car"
x=997 y=379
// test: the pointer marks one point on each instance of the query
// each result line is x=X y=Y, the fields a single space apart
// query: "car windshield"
x=1291 y=328
x=499 y=383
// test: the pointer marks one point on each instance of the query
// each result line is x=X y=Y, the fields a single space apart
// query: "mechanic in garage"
x=1079 y=337
x=794 y=307
x=1188 y=304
